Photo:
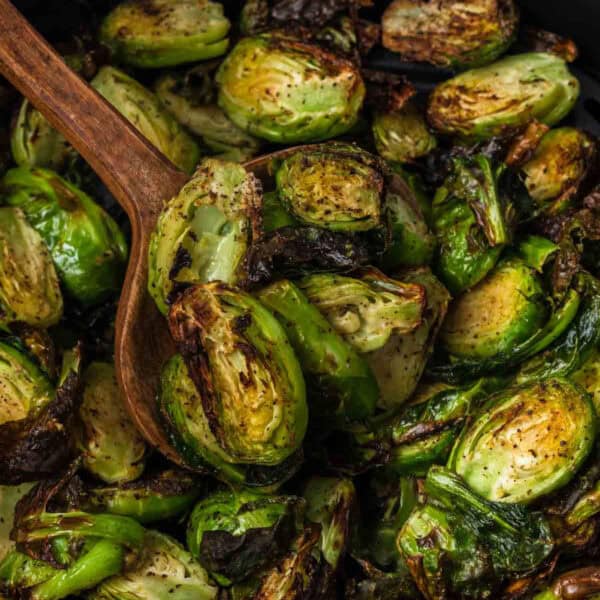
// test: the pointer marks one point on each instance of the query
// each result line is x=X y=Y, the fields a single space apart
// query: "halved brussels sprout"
x=145 y=112
x=503 y=97
x=588 y=377
x=368 y=310
x=287 y=91
x=189 y=430
x=471 y=221
x=36 y=421
x=29 y=287
x=341 y=384
x=399 y=364
x=500 y=312
x=113 y=450
x=163 y=33
x=579 y=584
x=458 y=545
x=337 y=186
x=87 y=246
x=234 y=534
x=24 y=388
x=402 y=135
x=249 y=379
x=35 y=143
x=20 y=574
x=163 y=570
x=329 y=503
x=526 y=441
x=559 y=166
x=154 y=497
x=193 y=104
x=454 y=33
x=203 y=233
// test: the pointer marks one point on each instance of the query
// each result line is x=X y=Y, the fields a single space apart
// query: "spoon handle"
x=137 y=174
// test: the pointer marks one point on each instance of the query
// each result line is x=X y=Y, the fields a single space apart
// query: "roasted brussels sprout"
x=399 y=364
x=578 y=584
x=500 y=312
x=503 y=97
x=151 y=498
x=36 y=421
x=341 y=384
x=287 y=91
x=453 y=33
x=368 y=310
x=471 y=220
x=526 y=441
x=559 y=167
x=244 y=368
x=163 y=570
x=29 y=287
x=329 y=503
x=460 y=545
x=162 y=33
x=402 y=135
x=20 y=573
x=191 y=100
x=588 y=377
x=87 y=246
x=35 y=143
x=234 y=534
x=112 y=448
x=337 y=186
x=146 y=113
x=203 y=233
x=412 y=244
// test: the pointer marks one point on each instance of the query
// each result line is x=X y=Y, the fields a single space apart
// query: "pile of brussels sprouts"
x=386 y=382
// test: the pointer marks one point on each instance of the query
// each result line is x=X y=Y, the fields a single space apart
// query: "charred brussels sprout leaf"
x=460 y=545
x=35 y=439
x=504 y=96
x=242 y=364
x=500 y=312
x=35 y=143
x=559 y=168
x=287 y=91
x=193 y=104
x=402 y=135
x=330 y=502
x=203 y=233
x=526 y=441
x=151 y=498
x=235 y=534
x=113 y=450
x=87 y=246
x=399 y=364
x=145 y=112
x=578 y=584
x=453 y=33
x=29 y=287
x=162 y=571
x=21 y=574
x=341 y=383
x=369 y=310
x=336 y=186
x=471 y=220
x=162 y=33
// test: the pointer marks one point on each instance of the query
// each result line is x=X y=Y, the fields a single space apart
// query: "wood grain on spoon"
x=139 y=177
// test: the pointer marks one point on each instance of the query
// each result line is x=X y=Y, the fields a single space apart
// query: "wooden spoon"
x=140 y=178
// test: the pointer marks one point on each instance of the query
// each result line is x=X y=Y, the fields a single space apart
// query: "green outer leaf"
x=326 y=358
